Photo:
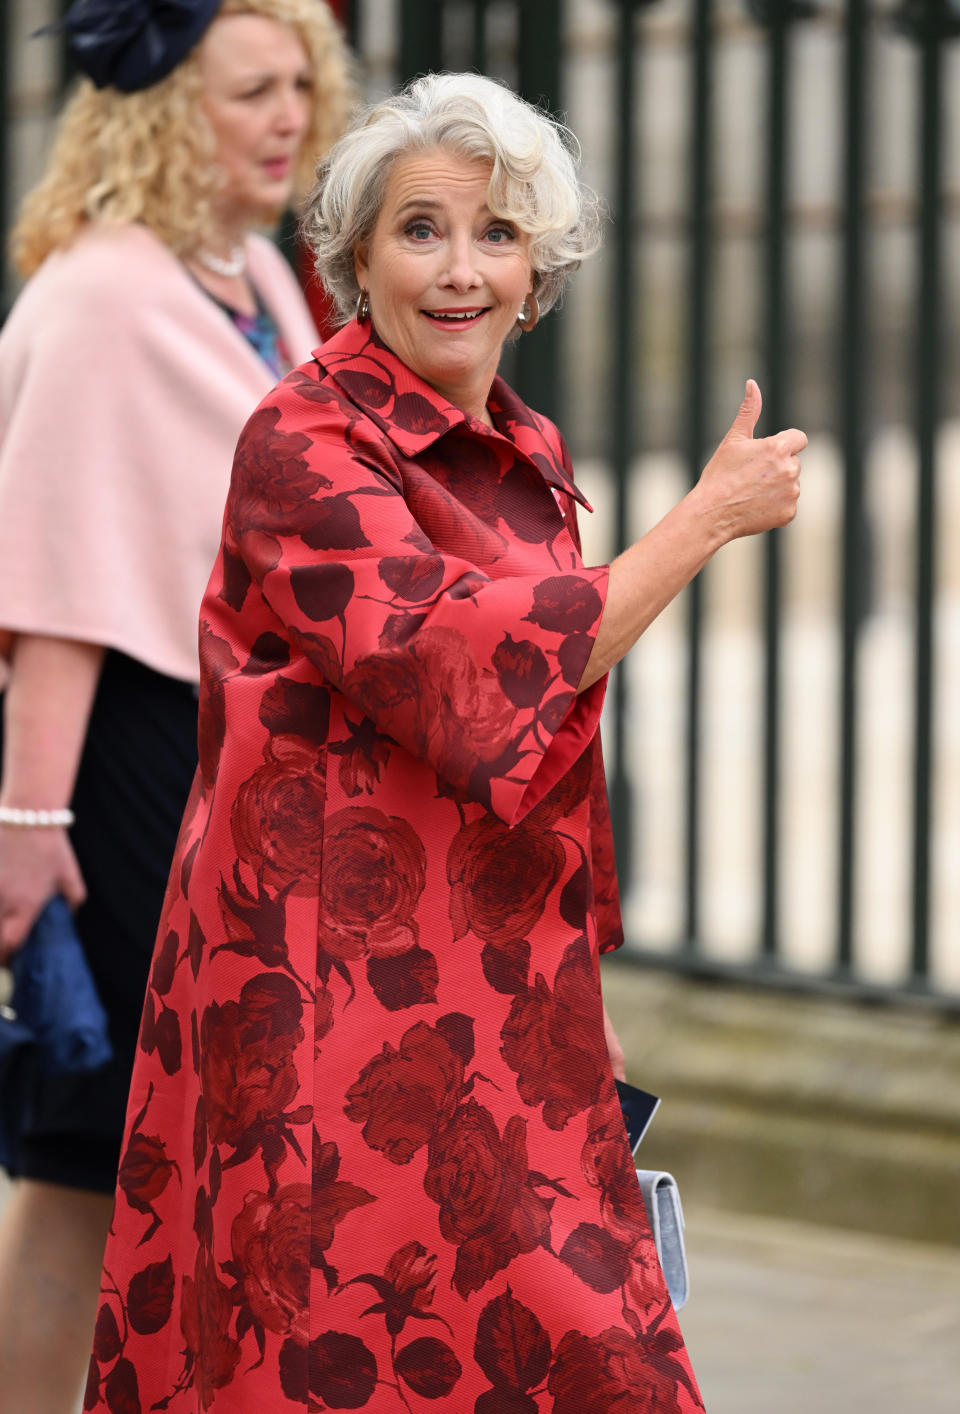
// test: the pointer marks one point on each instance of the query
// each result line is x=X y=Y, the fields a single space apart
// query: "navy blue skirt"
x=135 y=773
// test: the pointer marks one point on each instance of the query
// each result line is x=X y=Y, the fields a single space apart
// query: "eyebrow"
x=258 y=75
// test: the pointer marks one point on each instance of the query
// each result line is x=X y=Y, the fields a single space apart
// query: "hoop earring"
x=529 y=316
x=363 y=307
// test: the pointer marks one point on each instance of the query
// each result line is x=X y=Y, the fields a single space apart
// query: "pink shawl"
x=123 y=389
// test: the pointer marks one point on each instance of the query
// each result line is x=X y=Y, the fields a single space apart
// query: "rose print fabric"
x=374 y=1156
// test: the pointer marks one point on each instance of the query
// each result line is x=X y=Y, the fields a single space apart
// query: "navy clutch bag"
x=54 y=1018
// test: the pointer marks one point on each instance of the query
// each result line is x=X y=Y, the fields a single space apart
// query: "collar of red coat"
x=414 y=415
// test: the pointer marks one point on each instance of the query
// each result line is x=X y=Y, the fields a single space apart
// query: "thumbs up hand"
x=751 y=484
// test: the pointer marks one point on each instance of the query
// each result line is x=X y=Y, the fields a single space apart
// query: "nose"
x=461 y=272
x=292 y=113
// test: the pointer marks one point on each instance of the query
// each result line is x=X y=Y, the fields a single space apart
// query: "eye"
x=418 y=230
x=501 y=234
x=305 y=83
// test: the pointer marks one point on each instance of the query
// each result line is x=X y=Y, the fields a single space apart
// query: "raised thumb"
x=748 y=413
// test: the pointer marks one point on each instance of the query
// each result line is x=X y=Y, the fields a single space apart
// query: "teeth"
x=468 y=314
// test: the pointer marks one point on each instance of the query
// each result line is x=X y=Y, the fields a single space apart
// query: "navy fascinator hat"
x=131 y=44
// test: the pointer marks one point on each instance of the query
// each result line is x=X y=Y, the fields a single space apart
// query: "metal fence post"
x=698 y=363
x=852 y=357
x=622 y=430
x=929 y=334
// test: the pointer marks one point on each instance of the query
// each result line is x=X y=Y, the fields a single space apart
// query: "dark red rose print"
x=428 y=1366
x=482 y=1184
x=529 y=517
x=405 y=1289
x=399 y=628
x=365 y=388
x=500 y=878
x=343 y=1371
x=390 y=688
x=405 y=1093
x=605 y=1156
x=512 y=1348
x=596 y=1257
x=216 y=663
x=322 y=590
x=277 y=817
x=611 y=1373
x=296 y=708
x=475 y=719
x=414 y=413
x=271 y=476
x=145 y=1170
x=165 y=964
x=415 y=578
x=107 y=1343
x=237 y=579
x=437 y=701
x=205 y=1311
x=270 y=1240
x=554 y=1040
x=404 y=979
x=470 y=471
x=150 y=1297
x=565 y=604
x=410 y=1272
x=572 y=656
x=363 y=756
x=374 y=869
x=506 y=966
x=121 y=1388
x=254 y=923
x=569 y=792
x=333 y=1199
x=554 y=710
x=247 y=1073
x=334 y=524
x=523 y=671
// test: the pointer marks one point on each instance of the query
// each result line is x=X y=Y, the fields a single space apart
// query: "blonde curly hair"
x=146 y=157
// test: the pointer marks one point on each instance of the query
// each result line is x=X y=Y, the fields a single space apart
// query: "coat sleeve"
x=472 y=673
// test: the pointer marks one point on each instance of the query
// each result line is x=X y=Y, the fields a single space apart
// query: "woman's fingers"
x=789 y=443
x=751 y=484
x=15 y=923
x=71 y=882
x=34 y=866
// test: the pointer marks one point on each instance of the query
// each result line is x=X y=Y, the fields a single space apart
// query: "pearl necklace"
x=236 y=265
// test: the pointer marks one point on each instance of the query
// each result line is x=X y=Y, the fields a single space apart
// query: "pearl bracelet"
x=31 y=819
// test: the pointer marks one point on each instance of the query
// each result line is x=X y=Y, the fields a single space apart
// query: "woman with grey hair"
x=374 y=1153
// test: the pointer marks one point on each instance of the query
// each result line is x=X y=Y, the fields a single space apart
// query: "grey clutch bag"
x=662 y=1199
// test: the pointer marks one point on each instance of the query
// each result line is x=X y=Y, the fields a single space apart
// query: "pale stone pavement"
x=785 y=1318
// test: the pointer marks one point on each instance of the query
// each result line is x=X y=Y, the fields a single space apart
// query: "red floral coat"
x=374 y=1156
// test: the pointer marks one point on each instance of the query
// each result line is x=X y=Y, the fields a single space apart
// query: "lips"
x=456 y=318
x=276 y=166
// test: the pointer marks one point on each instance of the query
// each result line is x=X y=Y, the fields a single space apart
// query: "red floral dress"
x=374 y=1158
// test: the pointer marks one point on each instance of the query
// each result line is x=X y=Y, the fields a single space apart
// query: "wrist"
x=32 y=817
x=708 y=519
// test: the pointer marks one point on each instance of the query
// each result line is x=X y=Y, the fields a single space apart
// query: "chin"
x=269 y=210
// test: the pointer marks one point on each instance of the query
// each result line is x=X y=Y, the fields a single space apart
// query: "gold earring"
x=363 y=306
x=529 y=316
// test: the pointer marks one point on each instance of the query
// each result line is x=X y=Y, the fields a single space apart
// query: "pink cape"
x=123 y=389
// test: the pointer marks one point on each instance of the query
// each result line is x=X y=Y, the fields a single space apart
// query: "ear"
x=360 y=266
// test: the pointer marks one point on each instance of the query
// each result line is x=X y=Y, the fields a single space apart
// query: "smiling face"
x=446 y=278
x=257 y=97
